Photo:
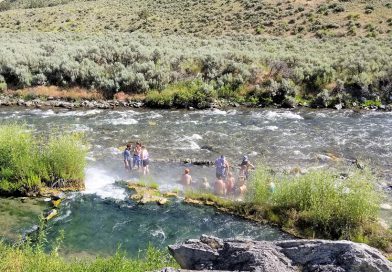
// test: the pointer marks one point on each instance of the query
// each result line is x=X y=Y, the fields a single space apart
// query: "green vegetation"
x=65 y=158
x=318 y=204
x=191 y=53
x=203 y=18
x=209 y=198
x=322 y=204
x=29 y=258
x=182 y=95
x=177 y=71
x=27 y=163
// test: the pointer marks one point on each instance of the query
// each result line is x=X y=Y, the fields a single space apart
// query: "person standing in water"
x=186 y=178
x=127 y=157
x=136 y=155
x=222 y=167
x=145 y=160
x=245 y=165
x=241 y=189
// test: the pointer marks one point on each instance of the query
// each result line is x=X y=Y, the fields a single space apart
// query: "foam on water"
x=211 y=112
x=254 y=128
x=195 y=137
x=101 y=183
x=61 y=218
x=154 y=115
x=275 y=115
x=42 y=112
x=81 y=127
x=188 y=142
x=121 y=121
x=80 y=113
x=272 y=128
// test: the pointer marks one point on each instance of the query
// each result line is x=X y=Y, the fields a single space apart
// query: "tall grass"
x=64 y=158
x=319 y=200
x=19 y=163
x=27 y=258
x=26 y=162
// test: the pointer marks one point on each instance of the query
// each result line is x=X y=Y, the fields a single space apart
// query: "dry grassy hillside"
x=320 y=18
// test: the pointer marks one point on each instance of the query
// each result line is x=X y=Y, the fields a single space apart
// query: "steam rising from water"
x=100 y=182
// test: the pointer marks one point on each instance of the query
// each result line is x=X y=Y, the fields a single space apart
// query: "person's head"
x=222 y=157
x=241 y=180
x=143 y=147
x=129 y=146
x=187 y=171
x=138 y=144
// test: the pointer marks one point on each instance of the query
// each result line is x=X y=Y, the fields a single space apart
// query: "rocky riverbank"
x=211 y=253
x=53 y=102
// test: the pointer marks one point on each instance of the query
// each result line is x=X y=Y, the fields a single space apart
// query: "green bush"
x=369 y=103
x=19 y=159
x=332 y=206
x=65 y=158
x=191 y=93
x=181 y=71
x=26 y=163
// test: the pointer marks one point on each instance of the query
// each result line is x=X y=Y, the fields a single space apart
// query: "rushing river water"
x=98 y=219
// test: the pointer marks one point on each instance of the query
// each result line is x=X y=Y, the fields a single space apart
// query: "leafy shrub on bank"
x=182 y=95
x=272 y=71
x=321 y=201
x=26 y=162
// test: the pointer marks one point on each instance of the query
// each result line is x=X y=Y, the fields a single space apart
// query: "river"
x=97 y=220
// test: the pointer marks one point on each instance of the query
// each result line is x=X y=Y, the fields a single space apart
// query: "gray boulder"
x=211 y=253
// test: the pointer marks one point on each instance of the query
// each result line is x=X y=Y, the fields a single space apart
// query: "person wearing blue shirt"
x=127 y=157
x=222 y=167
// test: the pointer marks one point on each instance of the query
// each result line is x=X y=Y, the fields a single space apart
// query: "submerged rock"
x=51 y=214
x=211 y=253
x=144 y=194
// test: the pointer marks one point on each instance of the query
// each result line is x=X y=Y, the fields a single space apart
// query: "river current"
x=97 y=220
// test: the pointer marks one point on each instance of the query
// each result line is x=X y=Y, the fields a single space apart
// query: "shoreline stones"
x=211 y=253
x=51 y=102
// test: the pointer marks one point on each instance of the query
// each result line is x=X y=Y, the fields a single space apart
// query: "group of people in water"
x=137 y=157
x=225 y=182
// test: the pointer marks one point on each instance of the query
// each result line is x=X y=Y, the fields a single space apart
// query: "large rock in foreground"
x=211 y=253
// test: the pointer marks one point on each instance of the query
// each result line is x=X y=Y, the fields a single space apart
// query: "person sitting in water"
x=136 y=155
x=230 y=183
x=186 y=178
x=145 y=159
x=220 y=187
x=222 y=167
x=241 y=189
x=245 y=167
x=127 y=157
x=205 y=185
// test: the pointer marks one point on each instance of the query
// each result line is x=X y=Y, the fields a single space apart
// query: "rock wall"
x=211 y=253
